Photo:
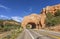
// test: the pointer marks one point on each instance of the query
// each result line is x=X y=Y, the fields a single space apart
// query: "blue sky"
x=17 y=9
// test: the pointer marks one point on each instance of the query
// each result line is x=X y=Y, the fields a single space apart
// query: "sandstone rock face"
x=34 y=19
x=38 y=20
x=51 y=9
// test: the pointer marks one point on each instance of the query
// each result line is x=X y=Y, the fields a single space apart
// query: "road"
x=38 y=34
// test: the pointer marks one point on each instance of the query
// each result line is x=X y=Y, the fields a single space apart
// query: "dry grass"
x=54 y=28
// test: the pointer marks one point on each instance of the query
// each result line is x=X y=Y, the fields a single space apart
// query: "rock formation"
x=31 y=19
x=38 y=20
x=52 y=9
x=35 y=20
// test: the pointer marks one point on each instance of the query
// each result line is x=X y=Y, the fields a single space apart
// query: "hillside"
x=7 y=25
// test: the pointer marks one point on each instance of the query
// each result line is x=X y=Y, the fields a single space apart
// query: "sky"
x=17 y=9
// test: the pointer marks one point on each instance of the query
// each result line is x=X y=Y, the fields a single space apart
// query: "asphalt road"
x=38 y=34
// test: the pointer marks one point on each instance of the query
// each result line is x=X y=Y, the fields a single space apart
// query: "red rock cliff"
x=38 y=20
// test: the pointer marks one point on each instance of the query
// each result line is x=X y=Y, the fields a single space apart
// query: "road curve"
x=39 y=34
x=52 y=34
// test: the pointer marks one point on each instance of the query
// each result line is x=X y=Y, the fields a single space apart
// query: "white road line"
x=37 y=33
x=30 y=34
x=49 y=31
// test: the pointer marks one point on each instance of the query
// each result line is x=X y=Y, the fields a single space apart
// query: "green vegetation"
x=57 y=13
x=10 y=26
x=53 y=20
x=7 y=25
x=28 y=26
x=14 y=34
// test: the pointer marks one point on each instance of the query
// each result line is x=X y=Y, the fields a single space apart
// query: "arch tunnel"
x=31 y=25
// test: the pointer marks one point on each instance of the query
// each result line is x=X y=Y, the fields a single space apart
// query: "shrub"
x=57 y=13
x=52 y=20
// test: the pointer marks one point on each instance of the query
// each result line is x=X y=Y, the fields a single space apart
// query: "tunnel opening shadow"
x=32 y=25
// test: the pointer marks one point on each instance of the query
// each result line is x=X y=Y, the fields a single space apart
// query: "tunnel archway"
x=31 y=25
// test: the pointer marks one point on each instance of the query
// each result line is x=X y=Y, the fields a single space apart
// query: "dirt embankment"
x=54 y=28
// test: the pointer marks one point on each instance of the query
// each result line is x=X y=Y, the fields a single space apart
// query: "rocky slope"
x=11 y=22
x=52 y=9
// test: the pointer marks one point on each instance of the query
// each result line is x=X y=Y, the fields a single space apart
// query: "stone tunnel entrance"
x=31 y=25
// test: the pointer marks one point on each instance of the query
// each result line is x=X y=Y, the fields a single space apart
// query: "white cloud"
x=2 y=6
x=29 y=10
x=16 y=18
x=4 y=17
x=6 y=8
